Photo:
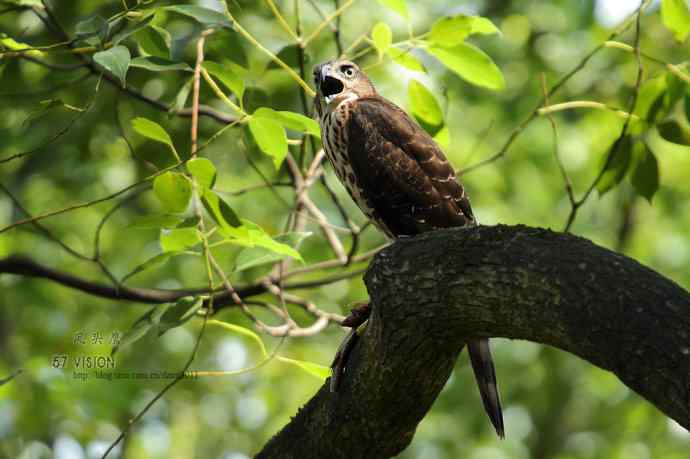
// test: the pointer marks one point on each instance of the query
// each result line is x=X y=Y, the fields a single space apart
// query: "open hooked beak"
x=329 y=86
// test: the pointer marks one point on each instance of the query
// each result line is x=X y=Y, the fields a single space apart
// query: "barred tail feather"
x=485 y=375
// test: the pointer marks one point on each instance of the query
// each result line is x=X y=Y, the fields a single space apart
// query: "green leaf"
x=158 y=64
x=450 y=30
x=153 y=262
x=442 y=137
x=405 y=59
x=155 y=41
x=290 y=120
x=453 y=30
x=228 y=76
x=154 y=131
x=399 y=6
x=423 y=104
x=156 y=222
x=256 y=256
x=93 y=26
x=270 y=137
x=174 y=190
x=203 y=171
x=221 y=212
x=483 y=26
x=650 y=98
x=676 y=16
x=205 y=16
x=470 y=63
x=183 y=95
x=382 y=36
x=618 y=165
x=259 y=237
x=115 y=61
x=176 y=315
x=645 y=176
x=686 y=105
x=179 y=239
x=672 y=131
x=139 y=328
x=133 y=28
x=320 y=371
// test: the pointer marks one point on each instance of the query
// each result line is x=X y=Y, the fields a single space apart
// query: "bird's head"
x=337 y=81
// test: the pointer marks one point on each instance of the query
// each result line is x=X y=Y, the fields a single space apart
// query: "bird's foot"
x=357 y=321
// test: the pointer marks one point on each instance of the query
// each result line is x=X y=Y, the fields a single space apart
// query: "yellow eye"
x=348 y=71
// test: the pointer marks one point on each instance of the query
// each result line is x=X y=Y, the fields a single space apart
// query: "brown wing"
x=405 y=176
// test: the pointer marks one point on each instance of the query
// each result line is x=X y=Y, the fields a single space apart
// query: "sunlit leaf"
x=320 y=371
x=221 y=212
x=205 y=16
x=405 y=59
x=256 y=256
x=645 y=176
x=174 y=190
x=483 y=26
x=423 y=104
x=158 y=64
x=260 y=238
x=399 y=6
x=382 y=36
x=179 y=239
x=621 y=154
x=470 y=63
x=676 y=16
x=176 y=315
x=115 y=61
x=650 y=98
x=452 y=30
x=154 y=131
x=442 y=137
x=270 y=137
x=290 y=120
x=203 y=171
x=227 y=75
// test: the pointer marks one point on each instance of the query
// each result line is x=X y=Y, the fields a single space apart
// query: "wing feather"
x=405 y=175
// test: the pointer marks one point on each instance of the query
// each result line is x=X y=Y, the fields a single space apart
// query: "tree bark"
x=431 y=293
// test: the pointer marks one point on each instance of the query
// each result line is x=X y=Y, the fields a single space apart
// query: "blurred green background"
x=556 y=406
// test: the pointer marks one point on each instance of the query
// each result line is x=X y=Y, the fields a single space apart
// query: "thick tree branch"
x=430 y=293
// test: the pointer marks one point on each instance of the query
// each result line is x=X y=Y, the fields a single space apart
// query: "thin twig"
x=579 y=66
x=195 y=90
x=575 y=206
x=327 y=21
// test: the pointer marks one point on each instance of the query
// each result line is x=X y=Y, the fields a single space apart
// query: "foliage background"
x=556 y=406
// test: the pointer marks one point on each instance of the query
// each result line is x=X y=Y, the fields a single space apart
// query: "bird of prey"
x=397 y=175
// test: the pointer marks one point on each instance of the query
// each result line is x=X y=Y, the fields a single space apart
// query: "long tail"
x=484 y=373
